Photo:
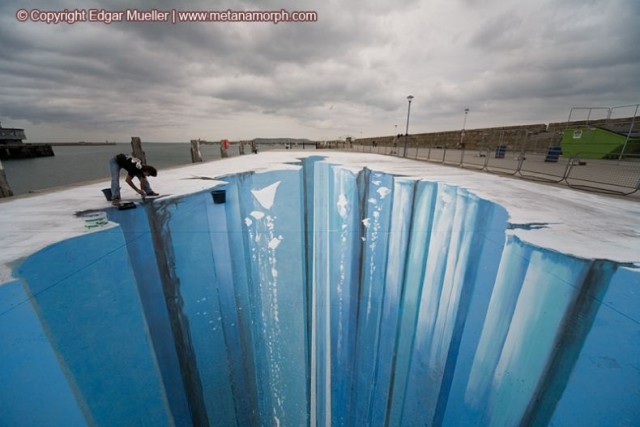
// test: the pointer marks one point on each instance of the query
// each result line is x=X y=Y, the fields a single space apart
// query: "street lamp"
x=464 y=123
x=406 y=134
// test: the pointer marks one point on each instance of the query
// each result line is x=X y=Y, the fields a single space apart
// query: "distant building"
x=11 y=135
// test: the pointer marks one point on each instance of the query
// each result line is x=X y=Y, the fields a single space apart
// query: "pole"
x=626 y=141
x=5 y=190
x=196 y=154
x=406 y=133
x=464 y=124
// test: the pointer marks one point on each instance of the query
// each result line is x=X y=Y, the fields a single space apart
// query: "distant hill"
x=282 y=141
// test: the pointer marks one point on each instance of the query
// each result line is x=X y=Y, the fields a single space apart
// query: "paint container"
x=95 y=220
x=126 y=205
x=107 y=193
x=219 y=196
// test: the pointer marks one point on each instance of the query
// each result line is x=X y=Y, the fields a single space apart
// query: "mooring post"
x=224 y=146
x=5 y=190
x=196 y=155
x=136 y=149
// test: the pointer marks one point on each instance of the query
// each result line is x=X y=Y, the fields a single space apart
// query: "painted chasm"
x=318 y=296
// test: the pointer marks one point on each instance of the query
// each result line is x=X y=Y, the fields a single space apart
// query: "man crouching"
x=134 y=168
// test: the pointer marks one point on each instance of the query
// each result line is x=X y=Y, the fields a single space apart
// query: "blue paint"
x=318 y=296
x=84 y=292
x=191 y=245
x=139 y=244
x=377 y=222
x=34 y=390
x=277 y=295
x=606 y=374
x=399 y=235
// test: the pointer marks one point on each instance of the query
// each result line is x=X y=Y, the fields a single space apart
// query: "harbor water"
x=77 y=164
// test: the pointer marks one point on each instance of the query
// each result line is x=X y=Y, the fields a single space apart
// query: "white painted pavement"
x=581 y=224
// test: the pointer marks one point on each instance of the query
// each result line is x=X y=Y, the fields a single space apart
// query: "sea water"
x=77 y=164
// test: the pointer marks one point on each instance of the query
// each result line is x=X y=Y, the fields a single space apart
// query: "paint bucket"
x=219 y=196
x=107 y=193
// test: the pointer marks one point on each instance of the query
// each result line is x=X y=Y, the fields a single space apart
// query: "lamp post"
x=406 y=133
x=464 y=123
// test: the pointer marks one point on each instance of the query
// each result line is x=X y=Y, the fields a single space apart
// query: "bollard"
x=136 y=149
x=224 y=147
x=196 y=155
x=5 y=190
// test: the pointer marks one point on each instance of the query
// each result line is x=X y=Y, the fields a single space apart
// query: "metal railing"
x=527 y=159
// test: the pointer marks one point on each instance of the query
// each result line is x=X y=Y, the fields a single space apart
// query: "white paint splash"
x=343 y=206
x=383 y=191
x=275 y=242
x=267 y=195
x=257 y=214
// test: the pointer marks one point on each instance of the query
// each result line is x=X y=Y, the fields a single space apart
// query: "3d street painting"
x=319 y=294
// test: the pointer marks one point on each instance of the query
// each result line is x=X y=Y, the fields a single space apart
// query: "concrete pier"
x=25 y=151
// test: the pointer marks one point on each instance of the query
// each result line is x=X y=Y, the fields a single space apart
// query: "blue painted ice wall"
x=79 y=308
x=318 y=296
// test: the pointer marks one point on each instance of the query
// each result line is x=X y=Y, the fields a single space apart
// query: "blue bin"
x=500 y=151
x=553 y=154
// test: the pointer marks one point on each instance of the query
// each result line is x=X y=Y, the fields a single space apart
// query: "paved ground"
x=606 y=177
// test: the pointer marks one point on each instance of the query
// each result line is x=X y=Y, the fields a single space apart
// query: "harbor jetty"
x=12 y=147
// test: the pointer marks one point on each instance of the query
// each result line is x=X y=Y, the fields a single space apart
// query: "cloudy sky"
x=347 y=74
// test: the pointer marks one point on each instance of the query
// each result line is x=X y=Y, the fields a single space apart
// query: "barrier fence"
x=527 y=159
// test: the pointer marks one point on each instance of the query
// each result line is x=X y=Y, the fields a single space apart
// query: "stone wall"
x=536 y=137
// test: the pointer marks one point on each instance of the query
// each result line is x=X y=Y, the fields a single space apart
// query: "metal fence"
x=525 y=159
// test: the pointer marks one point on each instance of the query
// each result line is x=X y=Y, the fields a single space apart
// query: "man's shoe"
x=151 y=193
x=115 y=202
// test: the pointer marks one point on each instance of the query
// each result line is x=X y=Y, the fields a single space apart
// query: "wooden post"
x=136 y=149
x=196 y=155
x=5 y=190
x=224 y=146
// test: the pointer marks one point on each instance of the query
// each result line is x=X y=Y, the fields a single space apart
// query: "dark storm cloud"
x=557 y=55
x=350 y=71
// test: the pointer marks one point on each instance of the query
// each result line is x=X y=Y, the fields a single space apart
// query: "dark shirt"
x=132 y=165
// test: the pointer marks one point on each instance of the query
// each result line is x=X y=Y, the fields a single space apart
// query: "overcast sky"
x=349 y=73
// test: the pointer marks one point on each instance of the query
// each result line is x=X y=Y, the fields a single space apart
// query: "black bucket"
x=219 y=196
x=107 y=193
